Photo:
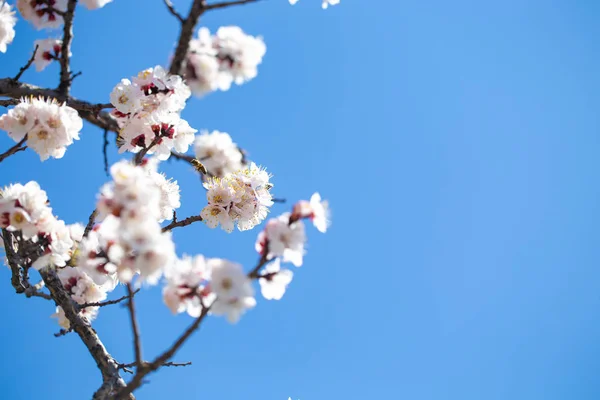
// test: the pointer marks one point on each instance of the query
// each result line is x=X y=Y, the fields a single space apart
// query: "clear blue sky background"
x=458 y=143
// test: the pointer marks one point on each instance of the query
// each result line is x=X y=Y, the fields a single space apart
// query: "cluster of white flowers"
x=148 y=112
x=41 y=13
x=324 y=3
x=50 y=127
x=7 y=25
x=283 y=240
x=242 y=197
x=24 y=208
x=48 y=51
x=129 y=239
x=218 y=153
x=194 y=283
x=94 y=4
x=82 y=290
x=215 y=62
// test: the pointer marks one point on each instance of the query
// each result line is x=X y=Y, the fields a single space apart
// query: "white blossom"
x=187 y=285
x=274 y=281
x=24 y=208
x=148 y=109
x=7 y=25
x=215 y=62
x=232 y=288
x=324 y=4
x=50 y=127
x=129 y=239
x=316 y=210
x=48 y=51
x=40 y=14
x=283 y=239
x=95 y=4
x=218 y=153
x=169 y=190
x=241 y=198
x=57 y=246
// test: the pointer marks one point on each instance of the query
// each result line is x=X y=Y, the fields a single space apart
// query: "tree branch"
x=105 y=152
x=112 y=381
x=65 y=58
x=183 y=222
x=137 y=345
x=26 y=66
x=108 y=302
x=173 y=11
x=15 y=149
x=90 y=112
x=90 y=224
x=185 y=35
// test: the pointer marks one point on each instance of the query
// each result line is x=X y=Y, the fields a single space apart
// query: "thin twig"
x=226 y=4
x=105 y=152
x=26 y=66
x=65 y=57
x=185 y=35
x=137 y=344
x=139 y=157
x=15 y=149
x=90 y=224
x=63 y=332
x=173 y=11
x=184 y=222
x=108 y=302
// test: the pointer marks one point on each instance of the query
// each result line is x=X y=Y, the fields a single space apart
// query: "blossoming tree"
x=127 y=239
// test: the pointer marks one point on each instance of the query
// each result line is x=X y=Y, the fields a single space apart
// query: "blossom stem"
x=184 y=222
x=15 y=149
x=26 y=66
x=137 y=344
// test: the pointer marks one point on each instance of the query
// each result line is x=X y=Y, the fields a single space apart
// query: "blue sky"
x=457 y=142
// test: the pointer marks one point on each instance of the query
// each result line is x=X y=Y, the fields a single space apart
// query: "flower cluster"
x=129 y=239
x=242 y=197
x=148 y=112
x=43 y=14
x=48 y=50
x=215 y=62
x=82 y=290
x=283 y=240
x=94 y=4
x=324 y=4
x=24 y=208
x=218 y=153
x=195 y=283
x=7 y=26
x=50 y=127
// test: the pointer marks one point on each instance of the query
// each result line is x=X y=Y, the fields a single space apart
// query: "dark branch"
x=15 y=149
x=105 y=152
x=173 y=11
x=184 y=222
x=26 y=66
x=90 y=112
x=226 y=4
x=108 y=302
x=65 y=58
x=185 y=35
x=137 y=344
x=90 y=224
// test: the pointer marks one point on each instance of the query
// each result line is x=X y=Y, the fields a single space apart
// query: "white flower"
x=241 y=198
x=187 y=285
x=316 y=210
x=219 y=154
x=274 y=281
x=57 y=245
x=283 y=239
x=50 y=127
x=95 y=4
x=24 y=208
x=40 y=14
x=7 y=26
x=147 y=110
x=48 y=51
x=215 y=62
x=234 y=293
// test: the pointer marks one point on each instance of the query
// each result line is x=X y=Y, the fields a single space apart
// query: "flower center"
x=226 y=284
x=43 y=134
